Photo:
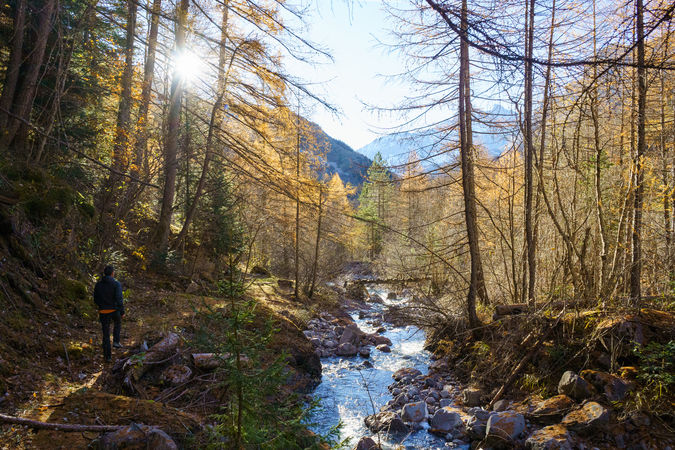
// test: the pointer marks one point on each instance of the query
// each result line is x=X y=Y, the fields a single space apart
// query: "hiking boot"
x=117 y=345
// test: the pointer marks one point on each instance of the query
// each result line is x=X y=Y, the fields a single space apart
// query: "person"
x=108 y=298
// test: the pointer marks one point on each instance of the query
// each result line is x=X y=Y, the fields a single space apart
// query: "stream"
x=348 y=391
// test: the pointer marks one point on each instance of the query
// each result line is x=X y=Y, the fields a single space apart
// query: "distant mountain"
x=493 y=131
x=347 y=162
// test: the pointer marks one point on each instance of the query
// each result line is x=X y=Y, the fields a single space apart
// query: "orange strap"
x=107 y=311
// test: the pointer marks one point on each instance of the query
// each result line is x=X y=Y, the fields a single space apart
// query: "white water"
x=349 y=392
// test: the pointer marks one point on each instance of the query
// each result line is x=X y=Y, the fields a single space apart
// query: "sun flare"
x=188 y=66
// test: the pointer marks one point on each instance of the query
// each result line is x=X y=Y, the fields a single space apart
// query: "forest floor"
x=67 y=381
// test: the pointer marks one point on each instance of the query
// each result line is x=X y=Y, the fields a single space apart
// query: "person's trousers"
x=105 y=319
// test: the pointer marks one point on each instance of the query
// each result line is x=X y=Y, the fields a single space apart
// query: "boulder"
x=553 y=437
x=504 y=426
x=350 y=335
x=386 y=421
x=356 y=291
x=384 y=348
x=366 y=443
x=260 y=271
x=406 y=371
x=590 y=417
x=137 y=436
x=445 y=420
x=574 y=386
x=552 y=409
x=472 y=396
x=364 y=352
x=346 y=349
x=477 y=423
x=613 y=387
x=391 y=296
x=414 y=412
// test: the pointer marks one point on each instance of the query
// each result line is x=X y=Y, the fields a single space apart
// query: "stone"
x=472 y=396
x=444 y=402
x=384 y=348
x=401 y=399
x=590 y=417
x=137 y=436
x=381 y=330
x=500 y=405
x=613 y=387
x=364 y=352
x=553 y=437
x=330 y=343
x=349 y=335
x=346 y=349
x=386 y=421
x=406 y=371
x=574 y=386
x=285 y=284
x=391 y=296
x=381 y=340
x=414 y=412
x=445 y=420
x=366 y=443
x=552 y=409
x=316 y=342
x=476 y=426
x=429 y=400
x=504 y=426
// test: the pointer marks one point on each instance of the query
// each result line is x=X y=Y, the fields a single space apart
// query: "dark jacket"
x=108 y=294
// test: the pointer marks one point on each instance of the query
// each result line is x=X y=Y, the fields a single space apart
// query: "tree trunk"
x=477 y=283
x=315 y=265
x=297 y=208
x=529 y=155
x=22 y=103
x=636 y=266
x=214 y=126
x=13 y=65
x=171 y=146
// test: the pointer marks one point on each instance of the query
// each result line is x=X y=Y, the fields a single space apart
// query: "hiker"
x=108 y=298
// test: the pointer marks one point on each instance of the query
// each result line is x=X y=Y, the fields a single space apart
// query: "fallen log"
x=135 y=367
x=57 y=426
x=509 y=310
x=210 y=361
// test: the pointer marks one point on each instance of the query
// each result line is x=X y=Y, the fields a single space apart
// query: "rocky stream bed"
x=385 y=389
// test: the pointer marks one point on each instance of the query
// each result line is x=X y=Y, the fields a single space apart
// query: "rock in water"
x=445 y=420
x=504 y=427
x=404 y=372
x=573 y=385
x=137 y=436
x=553 y=437
x=589 y=418
x=414 y=412
x=384 y=348
x=366 y=443
x=346 y=349
x=386 y=421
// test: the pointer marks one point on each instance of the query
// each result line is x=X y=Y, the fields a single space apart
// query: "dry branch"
x=57 y=426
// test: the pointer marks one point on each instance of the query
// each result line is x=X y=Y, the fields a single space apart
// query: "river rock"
x=380 y=340
x=350 y=335
x=504 y=426
x=391 y=296
x=445 y=402
x=613 y=387
x=552 y=409
x=137 y=436
x=414 y=412
x=445 y=420
x=553 y=437
x=472 y=396
x=406 y=371
x=573 y=385
x=384 y=348
x=590 y=417
x=366 y=443
x=477 y=423
x=501 y=405
x=346 y=349
x=330 y=343
x=364 y=352
x=386 y=421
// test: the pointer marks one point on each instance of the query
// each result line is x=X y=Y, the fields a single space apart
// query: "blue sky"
x=350 y=30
